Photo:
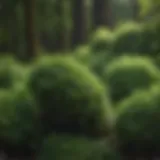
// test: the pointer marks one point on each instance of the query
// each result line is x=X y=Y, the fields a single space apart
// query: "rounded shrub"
x=12 y=73
x=71 y=98
x=93 y=60
x=127 y=74
x=83 y=55
x=138 y=119
x=127 y=39
x=18 y=116
x=70 y=147
x=101 y=41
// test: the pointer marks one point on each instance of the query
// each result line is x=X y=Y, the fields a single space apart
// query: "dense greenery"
x=70 y=97
x=79 y=79
x=125 y=74
x=74 y=147
x=138 y=122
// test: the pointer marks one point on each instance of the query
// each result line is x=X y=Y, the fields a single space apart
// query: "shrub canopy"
x=71 y=98
x=126 y=74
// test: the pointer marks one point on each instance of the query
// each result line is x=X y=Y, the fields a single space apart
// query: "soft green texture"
x=6 y=72
x=101 y=41
x=138 y=119
x=17 y=116
x=69 y=147
x=128 y=73
x=127 y=39
x=71 y=98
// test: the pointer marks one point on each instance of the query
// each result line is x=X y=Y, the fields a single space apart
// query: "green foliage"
x=21 y=74
x=96 y=61
x=70 y=147
x=101 y=41
x=127 y=74
x=70 y=97
x=138 y=121
x=150 y=39
x=100 y=50
x=83 y=55
x=127 y=39
x=49 y=16
x=66 y=147
x=12 y=73
x=149 y=7
x=122 y=10
x=6 y=72
x=17 y=116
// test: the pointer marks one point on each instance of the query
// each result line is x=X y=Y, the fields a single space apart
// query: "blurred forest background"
x=79 y=79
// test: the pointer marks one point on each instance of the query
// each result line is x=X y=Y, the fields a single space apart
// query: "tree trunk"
x=135 y=8
x=30 y=33
x=102 y=15
x=13 y=33
x=80 y=22
x=63 y=33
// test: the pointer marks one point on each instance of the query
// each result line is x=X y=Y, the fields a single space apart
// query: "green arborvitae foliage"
x=138 y=119
x=6 y=72
x=71 y=148
x=102 y=41
x=94 y=60
x=126 y=74
x=150 y=39
x=70 y=97
x=127 y=39
x=12 y=73
x=17 y=118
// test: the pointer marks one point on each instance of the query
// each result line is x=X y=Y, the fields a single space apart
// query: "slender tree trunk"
x=102 y=15
x=80 y=22
x=13 y=33
x=135 y=7
x=63 y=33
x=30 y=33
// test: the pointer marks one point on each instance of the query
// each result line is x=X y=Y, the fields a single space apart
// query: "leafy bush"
x=96 y=61
x=6 y=74
x=127 y=74
x=98 y=52
x=20 y=74
x=150 y=39
x=69 y=147
x=12 y=73
x=138 y=119
x=101 y=40
x=83 y=55
x=70 y=97
x=17 y=117
x=127 y=39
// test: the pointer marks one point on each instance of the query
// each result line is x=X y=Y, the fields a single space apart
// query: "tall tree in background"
x=8 y=24
x=80 y=22
x=30 y=32
x=102 y=13
x=63 y=31
x=135 y=8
